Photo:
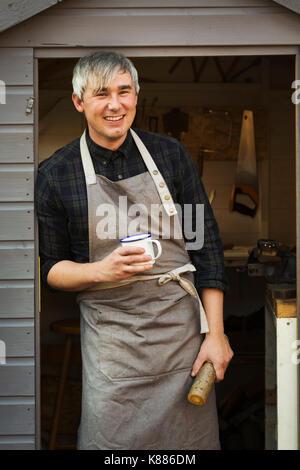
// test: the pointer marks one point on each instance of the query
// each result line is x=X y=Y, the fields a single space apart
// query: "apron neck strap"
x=157 y=177
x=88 y=167
x=162 y=188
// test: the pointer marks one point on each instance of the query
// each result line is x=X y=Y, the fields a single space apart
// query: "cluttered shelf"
x=270 y=259
x=236 y=255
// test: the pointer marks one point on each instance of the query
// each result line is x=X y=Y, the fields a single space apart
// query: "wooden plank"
x=174 y=51
x=70 y=4
x=17 y=222
x=14 y=111
x=17 y=261
x=282 y=307
x=14 y=12
x=16 y=380
x=287 y=384
x=166 y=30
x=164 y=9
x=16 y=144
x=19 y=340
x=16 y=299
x=17 y=443
x=291 y=4
x=16 y=66
x=16 y=182
x=16 y=418
x=285 y=308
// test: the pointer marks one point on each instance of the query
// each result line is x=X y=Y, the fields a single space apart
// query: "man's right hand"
x=118 y=264
x=71 y=276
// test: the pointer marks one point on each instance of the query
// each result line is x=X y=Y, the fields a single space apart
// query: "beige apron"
x=139 y=340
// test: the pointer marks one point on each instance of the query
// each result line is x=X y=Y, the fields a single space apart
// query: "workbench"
x=281 y=368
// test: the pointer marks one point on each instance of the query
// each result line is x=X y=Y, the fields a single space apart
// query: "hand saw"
x=246 y=182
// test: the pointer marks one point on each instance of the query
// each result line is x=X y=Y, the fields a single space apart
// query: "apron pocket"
x=133 y=345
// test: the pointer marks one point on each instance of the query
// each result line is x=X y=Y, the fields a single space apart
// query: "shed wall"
x=17 y=374
x=146 y=23
x=98 y=24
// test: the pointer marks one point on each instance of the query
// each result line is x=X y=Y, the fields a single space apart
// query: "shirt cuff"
x=211 y=284
x=45 y=268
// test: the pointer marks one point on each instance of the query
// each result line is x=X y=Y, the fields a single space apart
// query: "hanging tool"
x=246 y=183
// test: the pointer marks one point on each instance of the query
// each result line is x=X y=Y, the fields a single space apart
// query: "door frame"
x=162 y=51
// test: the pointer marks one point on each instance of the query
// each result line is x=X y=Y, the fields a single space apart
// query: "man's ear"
x=77 y=103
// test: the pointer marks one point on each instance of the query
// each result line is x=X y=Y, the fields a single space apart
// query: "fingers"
x=129 y=250
x=131 y=270
x=197 y=365
x=130 y=259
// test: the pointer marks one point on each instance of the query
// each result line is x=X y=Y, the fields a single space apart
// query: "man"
x=140 y=336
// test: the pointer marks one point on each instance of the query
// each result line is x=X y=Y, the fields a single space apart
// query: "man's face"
x=110 y=111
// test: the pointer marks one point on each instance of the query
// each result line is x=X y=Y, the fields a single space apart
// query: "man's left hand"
x=215 y=349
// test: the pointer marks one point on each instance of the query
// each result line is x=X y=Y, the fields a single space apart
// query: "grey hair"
x=101 y=68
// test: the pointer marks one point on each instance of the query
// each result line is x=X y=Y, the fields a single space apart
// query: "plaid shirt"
x=61 y=200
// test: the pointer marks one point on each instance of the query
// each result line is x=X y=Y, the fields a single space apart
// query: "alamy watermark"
x=2 y=92
x=116 y=221
x=2 y=352
x=296 y=354
x=296 y=94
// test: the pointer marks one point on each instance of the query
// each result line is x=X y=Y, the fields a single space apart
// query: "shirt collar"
x=101 y=152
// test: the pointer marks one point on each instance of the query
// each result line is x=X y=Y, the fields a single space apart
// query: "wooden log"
x=202 y=384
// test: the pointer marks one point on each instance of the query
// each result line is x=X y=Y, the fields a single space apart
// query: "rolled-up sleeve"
x=52 y=222
x=209 y=259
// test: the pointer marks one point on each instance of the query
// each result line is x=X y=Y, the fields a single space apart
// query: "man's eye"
x=124 y=92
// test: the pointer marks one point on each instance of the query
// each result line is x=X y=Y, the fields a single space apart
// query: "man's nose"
x=113 y=103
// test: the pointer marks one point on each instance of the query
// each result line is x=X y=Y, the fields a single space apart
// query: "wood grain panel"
x=19 y=340
x=17 y=442
x=17 y=261
x=16 y=144
x=16 y=418
x=16 y=299
x=17 y=222
x=16 y=66
x=14 y=111
x=16 y=183
x=16 y=380
x=167 y=30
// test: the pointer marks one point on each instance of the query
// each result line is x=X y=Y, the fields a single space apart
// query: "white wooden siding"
x=16 y=144
x=13 y=12
x=16 y=299
x=17 y=221
x=17 y=374
x=16 y=66
x=17 y=442
x=130 y=24
x=17 y=260
x=14 y=111
x=16 y=182
x=17 y=418
x=18 y=337
x=17 y=378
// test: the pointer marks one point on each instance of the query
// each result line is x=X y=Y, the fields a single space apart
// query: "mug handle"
x=157 y=243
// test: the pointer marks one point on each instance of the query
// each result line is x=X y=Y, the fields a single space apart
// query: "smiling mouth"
x=114 y=118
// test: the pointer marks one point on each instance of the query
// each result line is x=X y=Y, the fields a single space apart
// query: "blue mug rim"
x=142 y=235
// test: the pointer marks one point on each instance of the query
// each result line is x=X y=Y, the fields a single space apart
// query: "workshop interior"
x=235 y=116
